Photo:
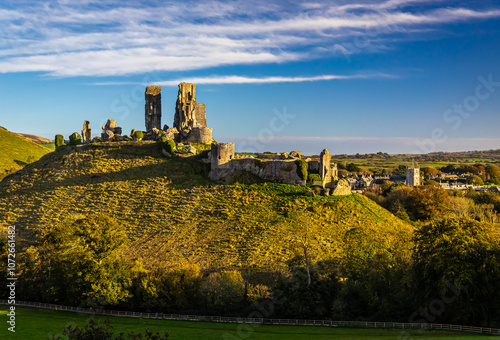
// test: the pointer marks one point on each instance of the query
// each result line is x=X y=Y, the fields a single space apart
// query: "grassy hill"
x=36 y=139
x=174 y=214
x=17 y=151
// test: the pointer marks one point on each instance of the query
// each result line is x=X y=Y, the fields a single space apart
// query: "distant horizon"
x=229 y=139
x=393 y=76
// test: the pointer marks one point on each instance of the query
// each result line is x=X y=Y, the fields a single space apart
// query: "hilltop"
x=36 y=139
x=17 y=151
x=174 y=214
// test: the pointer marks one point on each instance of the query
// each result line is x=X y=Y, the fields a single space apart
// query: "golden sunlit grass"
x=174 y=214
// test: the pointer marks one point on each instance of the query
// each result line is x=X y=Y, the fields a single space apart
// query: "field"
x=435 y=160
x=41 y=324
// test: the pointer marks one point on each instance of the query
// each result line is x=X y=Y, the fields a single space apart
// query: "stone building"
x=153 y=107
x=413 y=176
x=190 y=117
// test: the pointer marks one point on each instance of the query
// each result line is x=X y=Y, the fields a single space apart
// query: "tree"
x=429 y=171
x=427 y=202
x=475 y=180
x=397 y=200
x=81 y=262
x=461 y=206
x=351 y=167
x=302 y=236
x=494 y=172
x=224 y=291
x=458 y=259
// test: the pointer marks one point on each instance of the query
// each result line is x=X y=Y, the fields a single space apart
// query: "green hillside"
x=174 y=214
x=17 y=151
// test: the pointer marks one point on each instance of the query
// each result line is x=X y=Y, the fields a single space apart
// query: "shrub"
x=103 y=331
x=160 y=132
x=301 y=168
x=168 y=145
x=75 y=139
x=139 y=135
x=314 y=177
x=59 y=141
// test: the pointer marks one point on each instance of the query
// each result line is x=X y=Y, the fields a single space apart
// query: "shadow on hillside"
x=20 y=163
x=180 y=173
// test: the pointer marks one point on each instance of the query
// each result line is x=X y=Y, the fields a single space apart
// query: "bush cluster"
x=59 y=141
x=301 y=168
x=75 y=139
x=168 y=145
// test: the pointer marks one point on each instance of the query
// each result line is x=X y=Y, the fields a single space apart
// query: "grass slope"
x=175 y=215
x=41 y=324
x=36 y=139
x=17 y=151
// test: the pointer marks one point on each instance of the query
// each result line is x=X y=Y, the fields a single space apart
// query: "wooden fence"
x=264 y=321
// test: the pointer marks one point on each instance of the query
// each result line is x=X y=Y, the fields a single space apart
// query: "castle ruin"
x=223 y=162
x=190 y=126
x=153 y=108
x=190 y=121
x=190 y=116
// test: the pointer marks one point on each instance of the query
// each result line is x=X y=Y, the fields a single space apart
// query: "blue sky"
x=351 y=76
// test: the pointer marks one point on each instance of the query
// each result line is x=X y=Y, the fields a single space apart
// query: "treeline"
x=449 y=273
x=426 y=203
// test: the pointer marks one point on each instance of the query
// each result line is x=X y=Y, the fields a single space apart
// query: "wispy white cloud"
x=233 y=79
x=101 y=38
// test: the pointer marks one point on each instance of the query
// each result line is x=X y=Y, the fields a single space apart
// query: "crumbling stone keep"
x=190 y=117
x=86 y=132
x=342 y=188
x=326 y=170
x=110 y=131
x=153 y=108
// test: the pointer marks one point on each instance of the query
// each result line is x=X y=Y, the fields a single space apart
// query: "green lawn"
x=41 y=324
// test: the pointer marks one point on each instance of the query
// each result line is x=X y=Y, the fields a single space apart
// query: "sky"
x=362 y=76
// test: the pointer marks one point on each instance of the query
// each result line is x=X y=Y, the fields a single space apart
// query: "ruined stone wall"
x=223 y=163
x=313 y=166
x=342 y=188
x=153 y=108
x=200 y=135
x=200 y=115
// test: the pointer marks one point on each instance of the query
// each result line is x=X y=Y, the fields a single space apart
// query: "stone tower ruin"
x=327 y=171
x=153 y=108
x=221 y=153
x=86 y=132
x=190 y=116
